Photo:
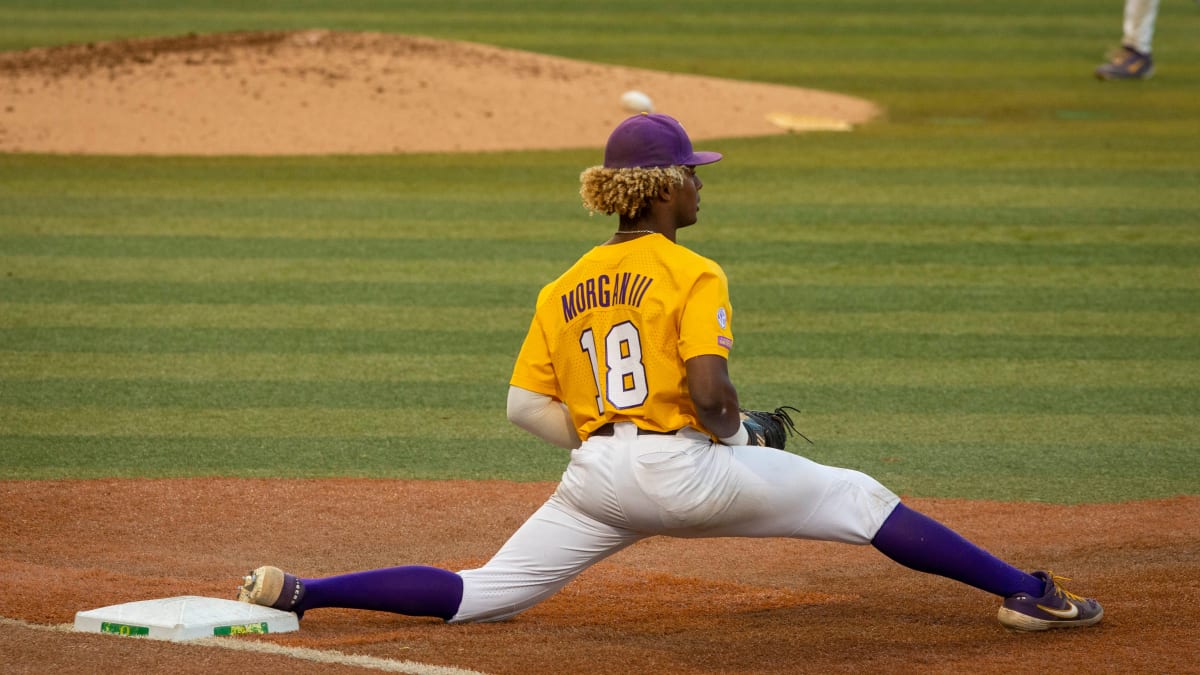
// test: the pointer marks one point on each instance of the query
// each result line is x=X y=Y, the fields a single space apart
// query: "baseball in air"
x=637 y=102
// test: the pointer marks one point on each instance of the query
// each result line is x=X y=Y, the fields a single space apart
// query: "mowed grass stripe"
x=748 y=370
x=294 y=422
x=278 y=270
x=977 y=154
x=1011 y=468
x=742 y=265
x=376 y=395
x=799 y=373
x=375 y=317
x=982 y=398
x=451 y=340
x=426 y=454
x=202 y=366
x=463 y=423
x=1014 y=467
x=1011 y=455
x=154 y=252
x=467 y=423
x=1058 y=276
x=765 y=297
x=445 y=293
x=996 y=162
x=954 y=188
x=1062 y=323
x=461 y=341
x=323 y=317
x=173 y=393
x=754 y=293
x=967 y=346
x=815 y=221
x=149 y=254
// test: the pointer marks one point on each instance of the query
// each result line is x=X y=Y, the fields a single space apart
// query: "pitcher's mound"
x=322 y=92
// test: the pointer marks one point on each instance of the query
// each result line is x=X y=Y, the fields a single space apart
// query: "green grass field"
x=993 y=293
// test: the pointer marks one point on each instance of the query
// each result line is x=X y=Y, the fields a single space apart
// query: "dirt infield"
x=717 y=606
x=322 y=92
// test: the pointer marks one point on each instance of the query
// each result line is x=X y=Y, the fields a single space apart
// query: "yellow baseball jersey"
x=609 y=337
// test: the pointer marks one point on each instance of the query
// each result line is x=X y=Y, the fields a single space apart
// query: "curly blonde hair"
x=625 y=191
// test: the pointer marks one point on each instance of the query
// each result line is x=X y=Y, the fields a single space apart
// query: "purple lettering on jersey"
x=591 y=293
x=633 y=286
x=622 y=285
x=604 y=295
x=637 y=300
x=725 y=342
x=625 y=288
x=568 y=304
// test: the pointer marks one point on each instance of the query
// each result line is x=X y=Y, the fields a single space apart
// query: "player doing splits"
x=639 y=391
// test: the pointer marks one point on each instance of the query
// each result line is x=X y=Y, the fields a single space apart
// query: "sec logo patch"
x=722 y=317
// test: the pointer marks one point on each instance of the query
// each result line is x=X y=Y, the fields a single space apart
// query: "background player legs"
x=1140 y=16
x=1133 y=60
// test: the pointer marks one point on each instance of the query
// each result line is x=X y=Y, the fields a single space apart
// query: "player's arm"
x=543 y=416
x=715 y=398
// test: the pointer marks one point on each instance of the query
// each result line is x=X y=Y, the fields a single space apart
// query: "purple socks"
x=413 y=590
x=923 y=544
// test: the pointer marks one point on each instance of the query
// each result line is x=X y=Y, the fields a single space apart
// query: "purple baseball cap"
x=652 y=140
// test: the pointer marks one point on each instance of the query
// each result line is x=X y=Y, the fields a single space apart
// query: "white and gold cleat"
x=271 y=587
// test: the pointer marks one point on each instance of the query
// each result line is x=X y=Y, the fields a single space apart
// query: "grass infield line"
x=301 y=653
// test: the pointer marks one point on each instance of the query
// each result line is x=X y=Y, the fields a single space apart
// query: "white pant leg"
x=779 y=494
x=687 y=486
x=1139 y=24
x=543 y=555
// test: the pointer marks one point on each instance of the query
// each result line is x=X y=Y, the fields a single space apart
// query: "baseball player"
x=625 y=364
x=1133 y=61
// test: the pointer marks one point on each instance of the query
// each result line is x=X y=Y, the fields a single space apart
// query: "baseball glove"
x=770 y=429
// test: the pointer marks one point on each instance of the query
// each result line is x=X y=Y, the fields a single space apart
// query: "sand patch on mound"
x=322 y=92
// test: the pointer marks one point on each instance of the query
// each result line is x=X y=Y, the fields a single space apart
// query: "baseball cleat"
x=271 y=587
x=1056 y=608
x=1127 y=64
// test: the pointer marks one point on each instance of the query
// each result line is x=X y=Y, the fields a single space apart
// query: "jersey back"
x=610 y=337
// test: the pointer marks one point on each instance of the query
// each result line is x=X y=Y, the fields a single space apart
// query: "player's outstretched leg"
x=412 y=590
x=1032 y=601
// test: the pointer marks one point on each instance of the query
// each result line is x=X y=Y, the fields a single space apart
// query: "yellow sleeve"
x=706 y=325
x=534 y=369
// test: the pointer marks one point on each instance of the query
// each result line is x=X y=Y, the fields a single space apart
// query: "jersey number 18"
x=624 y=382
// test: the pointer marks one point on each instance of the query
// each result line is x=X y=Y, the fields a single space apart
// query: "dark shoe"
x=1127 y=64
x=1055 y=608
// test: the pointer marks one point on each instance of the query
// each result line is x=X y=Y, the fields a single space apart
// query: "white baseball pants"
x=620 y=489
